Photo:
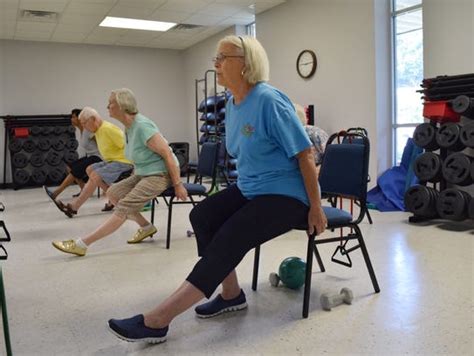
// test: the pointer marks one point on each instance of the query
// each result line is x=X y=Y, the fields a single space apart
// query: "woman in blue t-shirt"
x=277 y=190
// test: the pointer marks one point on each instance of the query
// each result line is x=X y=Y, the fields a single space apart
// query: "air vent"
x=36 y=15
x=185 y=27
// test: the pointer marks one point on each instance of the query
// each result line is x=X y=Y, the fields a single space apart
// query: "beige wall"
x=52 y=78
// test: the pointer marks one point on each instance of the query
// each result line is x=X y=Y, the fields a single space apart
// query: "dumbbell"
x=330 y=301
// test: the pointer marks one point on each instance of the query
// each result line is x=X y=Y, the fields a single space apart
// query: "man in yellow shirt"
x=111 y=145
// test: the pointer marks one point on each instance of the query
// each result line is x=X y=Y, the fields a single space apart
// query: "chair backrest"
x=207 y=162
x=345 y=167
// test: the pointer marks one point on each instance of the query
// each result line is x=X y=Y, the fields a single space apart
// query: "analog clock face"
x=306 y=64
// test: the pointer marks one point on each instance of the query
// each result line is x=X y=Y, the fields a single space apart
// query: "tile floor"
x=58 y=304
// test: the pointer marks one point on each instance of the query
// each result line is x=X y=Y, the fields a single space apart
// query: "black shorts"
x=78 y=168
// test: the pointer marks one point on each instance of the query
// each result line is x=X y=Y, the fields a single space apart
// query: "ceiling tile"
x=64 y=36
x=8 y=14
x=50 y=5
x=185 y=5
x=43 y=27
x=237 y=2
x=130 y=12
x=204 y=20
x=223 y=10
x=169 y=16
x=88 y=8
x=82 y=28
x=77 y=19
x=27 y=35
x=145 y=4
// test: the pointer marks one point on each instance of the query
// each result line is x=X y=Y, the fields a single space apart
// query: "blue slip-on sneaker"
x=219 y=305
x=133 y=329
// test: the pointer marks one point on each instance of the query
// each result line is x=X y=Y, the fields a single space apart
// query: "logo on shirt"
x=248 y=130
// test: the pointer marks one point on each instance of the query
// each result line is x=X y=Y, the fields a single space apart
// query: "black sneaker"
x=133 y=329
x=219 y=305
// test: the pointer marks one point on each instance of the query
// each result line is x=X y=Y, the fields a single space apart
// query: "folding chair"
x=207 y=167
x=344 y=172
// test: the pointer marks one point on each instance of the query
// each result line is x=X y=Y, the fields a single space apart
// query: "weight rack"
x=11 y=122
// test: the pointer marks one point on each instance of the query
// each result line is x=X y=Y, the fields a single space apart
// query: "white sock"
x=81 y=243
x=147 y=227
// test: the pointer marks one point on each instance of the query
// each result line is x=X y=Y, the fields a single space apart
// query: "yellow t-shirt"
x=111 y=143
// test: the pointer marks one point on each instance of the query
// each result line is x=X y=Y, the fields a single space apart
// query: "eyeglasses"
x=221 y=57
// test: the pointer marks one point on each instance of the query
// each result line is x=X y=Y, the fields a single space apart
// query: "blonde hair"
x=301 y=114
x=126 y=100
x=257 y=67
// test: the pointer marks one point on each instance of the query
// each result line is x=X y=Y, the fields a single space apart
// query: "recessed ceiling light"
x=122 y=22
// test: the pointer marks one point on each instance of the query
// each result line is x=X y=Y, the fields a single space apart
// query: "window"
x=407 y=25
x=251 y=29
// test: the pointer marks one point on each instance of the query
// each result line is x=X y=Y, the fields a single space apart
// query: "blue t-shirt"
x=145 y=161
x=264 y=134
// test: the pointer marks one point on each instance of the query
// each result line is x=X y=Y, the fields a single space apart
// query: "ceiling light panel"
x=121 y=22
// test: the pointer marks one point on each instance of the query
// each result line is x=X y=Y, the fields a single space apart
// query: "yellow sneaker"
x=69 y=246
x=141 y=235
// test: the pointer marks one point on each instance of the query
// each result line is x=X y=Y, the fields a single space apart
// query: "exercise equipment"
x=71 y=143
x=421 y=201
x=39 y=176
x=71 y=130
x=47 y=130
x=291 y=273
x=56 y=175
x=464 y=105
x=21 y=176
x=44 y=144
x=37 y=159
x=449 y=137
x=329 y=301
x=58 y=144
x=15 y=145
x=19 y=160
x=35 y=130
x=456 y=169
x=59 y=130
x=212 y=103
x=471 y=209
x=427 y=167
x=453 y=204
x=467 y=134
x=425 y=136
x=29 y=145
x=54 y=158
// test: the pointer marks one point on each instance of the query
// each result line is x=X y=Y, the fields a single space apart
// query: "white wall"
x=341 y=32
x=448 y=37
x=51 y=78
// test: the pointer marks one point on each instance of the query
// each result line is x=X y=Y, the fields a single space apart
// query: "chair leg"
x=365 y=253
x=6 y=330
x=255 y=267
x=318 y=258
x=153 y=211
x=168 y=233
x=368 y=215
x=309 y=271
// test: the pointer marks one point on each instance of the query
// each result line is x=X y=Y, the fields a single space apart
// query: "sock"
x=81 y=243
x=147 y=227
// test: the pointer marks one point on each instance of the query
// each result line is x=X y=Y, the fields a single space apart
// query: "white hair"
x=87 y=113
x=257 y=67
x=126 y=100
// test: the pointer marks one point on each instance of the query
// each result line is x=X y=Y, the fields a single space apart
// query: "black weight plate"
x=448 y=136
x=452 y=204
x=471 y=209
x=44 y=144
x=221 y=113
x=56 y=175
x=464 y=105
x=47 y=130
x=19 y=160
x=29 y=145
x=15 y=145
x=35 y=130
x=472 y=170
x=456 y=169
x=54 y=158
x=39 y=175
x=58 y=130
x=210 y=117
x=21 y=176
x=71 y=130
x=427 y=167
x=58 y=144
x=425 y=136
x=71 y=143
x=420 y=201
x=467 y=134
x=37 y=159
x=71 y=156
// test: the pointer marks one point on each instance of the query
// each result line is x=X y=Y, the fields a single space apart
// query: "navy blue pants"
x=228 y=225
